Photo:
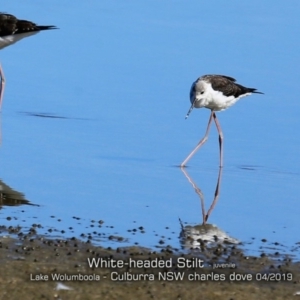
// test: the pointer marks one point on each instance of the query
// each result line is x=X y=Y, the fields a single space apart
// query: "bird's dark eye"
x=202 y=93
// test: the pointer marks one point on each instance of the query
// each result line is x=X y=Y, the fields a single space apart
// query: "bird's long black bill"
x=190 y=110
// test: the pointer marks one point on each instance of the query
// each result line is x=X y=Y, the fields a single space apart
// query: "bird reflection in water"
x=11 y=197
x=208 y=234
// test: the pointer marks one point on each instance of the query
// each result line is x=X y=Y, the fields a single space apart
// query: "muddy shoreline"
x=36 y=267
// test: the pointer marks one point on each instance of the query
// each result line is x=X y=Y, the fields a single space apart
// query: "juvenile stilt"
x=11 y=31
x=217 y=93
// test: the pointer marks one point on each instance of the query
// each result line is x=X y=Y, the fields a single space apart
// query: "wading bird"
x=13 y=30
x=215 y=92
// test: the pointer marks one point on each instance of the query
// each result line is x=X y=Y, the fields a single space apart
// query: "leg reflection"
x=205 y=215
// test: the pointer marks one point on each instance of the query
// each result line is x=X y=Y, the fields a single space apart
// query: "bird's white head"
x=197 y=94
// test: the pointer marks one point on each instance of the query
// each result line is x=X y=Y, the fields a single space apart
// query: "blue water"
x=117 y=75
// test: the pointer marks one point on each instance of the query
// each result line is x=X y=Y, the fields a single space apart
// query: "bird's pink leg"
x=202 y=141
x=220 y=138
x=2 y=84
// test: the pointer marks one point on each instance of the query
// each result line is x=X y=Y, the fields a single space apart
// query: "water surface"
x=93 y=119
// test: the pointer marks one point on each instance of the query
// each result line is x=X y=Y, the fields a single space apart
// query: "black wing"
x=228 y=87
x=9 y=25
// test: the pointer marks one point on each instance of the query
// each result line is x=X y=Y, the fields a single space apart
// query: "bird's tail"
x=46 y=27
x=255 y=91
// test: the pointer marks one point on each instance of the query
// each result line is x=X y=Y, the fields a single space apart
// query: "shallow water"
x=93 y=121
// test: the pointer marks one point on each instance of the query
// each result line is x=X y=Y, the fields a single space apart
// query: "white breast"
x=11 y=39
x=215 y=100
